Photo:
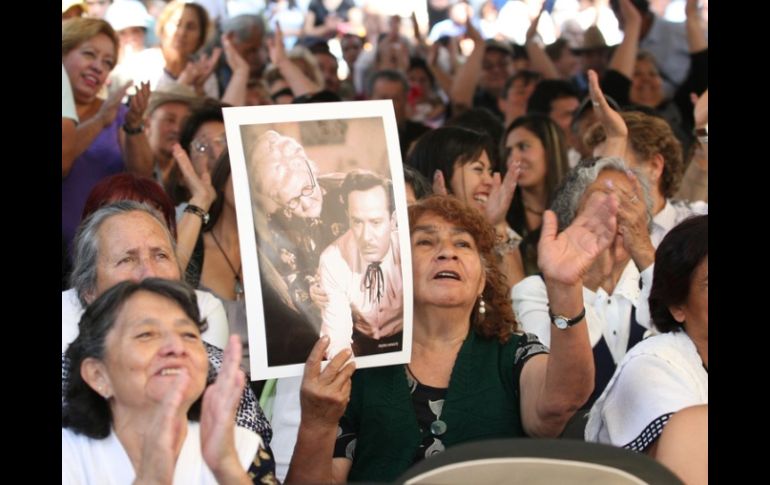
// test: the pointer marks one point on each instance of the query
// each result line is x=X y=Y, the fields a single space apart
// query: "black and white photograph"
x=320 y=199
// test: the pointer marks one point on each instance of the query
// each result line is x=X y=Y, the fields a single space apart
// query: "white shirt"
x=104 y=462
x=209 y=306
x=342 y=271
x=285 y=423
x=660 y=375
x=674 y=212
x=607 y=316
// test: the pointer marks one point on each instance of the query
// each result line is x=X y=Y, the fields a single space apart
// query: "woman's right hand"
x=163 y=440
x=325 y=395
x=109 y=108
x=614 y=126
x=203 y=193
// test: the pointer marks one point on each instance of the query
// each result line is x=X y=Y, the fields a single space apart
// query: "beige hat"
x=172 y=93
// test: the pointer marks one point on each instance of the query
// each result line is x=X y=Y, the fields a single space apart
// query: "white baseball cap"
x=123 y=14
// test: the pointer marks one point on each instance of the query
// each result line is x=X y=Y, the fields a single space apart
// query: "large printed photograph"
x=320 y=199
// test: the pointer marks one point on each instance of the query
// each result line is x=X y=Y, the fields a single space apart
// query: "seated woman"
x=538 y=145
x=127 y=240
x=473 y=375
x=125 y=224
x=457 y=161
x=109 y=138
x=616 y=286
x=665 y=373
x=135 y=404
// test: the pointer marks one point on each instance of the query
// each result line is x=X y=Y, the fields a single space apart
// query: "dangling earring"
x=482 y=306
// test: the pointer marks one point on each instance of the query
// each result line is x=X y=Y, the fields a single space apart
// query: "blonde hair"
x=77 y=30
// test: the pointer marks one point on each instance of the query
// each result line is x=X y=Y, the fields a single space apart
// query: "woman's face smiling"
x=151 y=343
x=472 y=181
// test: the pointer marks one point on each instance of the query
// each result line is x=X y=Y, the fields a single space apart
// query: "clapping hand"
x=565 y=256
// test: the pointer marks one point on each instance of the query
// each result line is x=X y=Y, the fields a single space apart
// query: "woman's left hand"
x=137 y=105
x=633 y=221
x=501 y=195
x=220 y=402
x=566 y=256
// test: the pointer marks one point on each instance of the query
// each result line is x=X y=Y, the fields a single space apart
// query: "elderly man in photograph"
x=361 y=272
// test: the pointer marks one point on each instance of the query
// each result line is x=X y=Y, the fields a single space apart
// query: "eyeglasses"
x=199 y=148
x=307 y=191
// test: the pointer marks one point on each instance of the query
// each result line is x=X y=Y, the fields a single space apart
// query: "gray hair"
x=85 y=246
x=241 y=26
x=570 y=193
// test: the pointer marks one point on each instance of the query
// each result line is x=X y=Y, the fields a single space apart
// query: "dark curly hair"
x=679 y=254
x=649 y=135
x=84 y=410
x=499 y=321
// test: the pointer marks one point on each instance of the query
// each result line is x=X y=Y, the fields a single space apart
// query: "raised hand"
x=633 y=220
x=501 y=195
x=196 y=72
x=325 y=395
x=532 y=30
x=232 y=57
x=275 y=46
x=137 y=104
x=701 y=111
x=217 y=424
x=161 y=445
x=613 y=124
x=109 y=108
x=439 y=185
x=630 y=15
x=565 y=257
x=202 y=192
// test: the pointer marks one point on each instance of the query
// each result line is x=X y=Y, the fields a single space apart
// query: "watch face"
x=560 y=322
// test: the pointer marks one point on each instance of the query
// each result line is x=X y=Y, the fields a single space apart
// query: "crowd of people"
x=557 y=192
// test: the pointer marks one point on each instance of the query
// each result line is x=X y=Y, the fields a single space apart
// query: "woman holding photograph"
x=473 y=375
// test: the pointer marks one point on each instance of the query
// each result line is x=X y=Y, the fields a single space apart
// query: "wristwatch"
x=133 y=131
x=563 y=322
x=194 y=209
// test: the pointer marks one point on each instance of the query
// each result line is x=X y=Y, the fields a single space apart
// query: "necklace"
x=237 y=274
x=437 y=427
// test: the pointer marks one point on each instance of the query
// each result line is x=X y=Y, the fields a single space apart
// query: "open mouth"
x=170 y=371
x=441 y=275
x=481 y=198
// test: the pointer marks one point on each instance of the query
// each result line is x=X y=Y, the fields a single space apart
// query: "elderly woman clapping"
x=616 y=286
x=473 y=374
x=135 y=405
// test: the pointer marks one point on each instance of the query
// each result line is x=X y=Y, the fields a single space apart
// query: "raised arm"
x=136 y=147
x=467 y=76
x=614 y=127
x=696 y=36
x=203 y=195
x=538 y=59
x=299 y=83
x=235 y=93
x=553 y=387
x=323 y=399
x=624 y=57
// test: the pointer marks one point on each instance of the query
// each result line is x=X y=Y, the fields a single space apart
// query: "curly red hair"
x=499 y=321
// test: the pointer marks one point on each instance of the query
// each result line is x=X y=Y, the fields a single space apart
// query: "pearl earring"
x=482 y=306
